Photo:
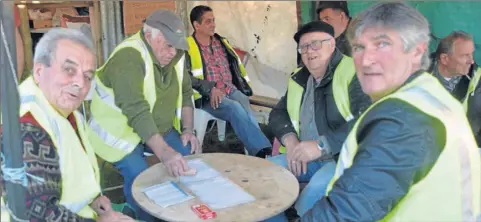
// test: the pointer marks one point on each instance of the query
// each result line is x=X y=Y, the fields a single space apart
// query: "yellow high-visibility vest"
x=472 y=86
x=451 y=189
x=78 y=163
x=345 y=72
x=111 y=135
x=197 y=67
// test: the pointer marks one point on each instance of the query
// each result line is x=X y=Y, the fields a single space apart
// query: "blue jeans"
x=235 y=108
x=134 y=163
x=318 y=176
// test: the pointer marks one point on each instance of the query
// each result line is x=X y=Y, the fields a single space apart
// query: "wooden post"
x=27 y=39
x=181 y=11
x=94 y=12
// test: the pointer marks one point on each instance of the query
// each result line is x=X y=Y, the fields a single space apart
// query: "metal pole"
x=12 y=148
x=104 y=24
x=111 y=26
x=118 y=23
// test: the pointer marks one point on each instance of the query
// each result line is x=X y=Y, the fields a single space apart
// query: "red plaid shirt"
x=217 y=65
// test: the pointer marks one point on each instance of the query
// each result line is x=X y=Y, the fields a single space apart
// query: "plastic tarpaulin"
x=443 y=17
x=265 y=30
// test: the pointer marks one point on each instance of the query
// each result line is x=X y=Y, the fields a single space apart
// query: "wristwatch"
x=188 y=130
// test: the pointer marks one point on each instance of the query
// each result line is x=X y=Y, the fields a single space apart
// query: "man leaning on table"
x=143 y=92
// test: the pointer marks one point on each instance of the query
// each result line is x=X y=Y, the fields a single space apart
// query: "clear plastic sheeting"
x=444 y=17
x=264 y=29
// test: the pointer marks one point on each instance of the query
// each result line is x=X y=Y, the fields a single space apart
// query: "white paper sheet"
x=166 y=194
x=214 y=189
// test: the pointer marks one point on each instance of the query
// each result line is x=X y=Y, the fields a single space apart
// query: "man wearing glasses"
x=311 y=119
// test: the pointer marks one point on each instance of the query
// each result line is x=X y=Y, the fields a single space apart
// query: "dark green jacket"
x=124 y=73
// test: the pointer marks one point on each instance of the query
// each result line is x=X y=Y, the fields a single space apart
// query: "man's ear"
x=148 y=35
x=419 y=51
x=444 y=58
x=196 y=25
x=342 y=15
x=37 y=71
x=332 y=44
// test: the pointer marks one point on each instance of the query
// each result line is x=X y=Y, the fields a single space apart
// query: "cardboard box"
x=59 y=12
x=136 y=11
x=39 y=24
x=41 y=13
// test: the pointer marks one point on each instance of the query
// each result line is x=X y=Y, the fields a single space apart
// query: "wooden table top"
x=274 y=188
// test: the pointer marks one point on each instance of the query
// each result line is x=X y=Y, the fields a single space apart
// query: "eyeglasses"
x=315 y=45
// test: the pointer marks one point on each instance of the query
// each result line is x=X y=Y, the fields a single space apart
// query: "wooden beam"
x=181 y=11
x=27 y=39
x=94 y=13
x=54 y=4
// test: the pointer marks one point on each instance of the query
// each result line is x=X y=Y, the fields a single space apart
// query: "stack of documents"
x=214 y=189
x=166 y=194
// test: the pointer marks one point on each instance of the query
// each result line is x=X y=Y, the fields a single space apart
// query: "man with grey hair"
x=411 y=155
x=453 y=63
x=142 y=93
x=64 y=175
x=455 y=68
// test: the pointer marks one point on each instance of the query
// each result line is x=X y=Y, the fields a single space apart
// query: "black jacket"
x=474 y=111
x=343 y=45
x=461 y=88
x=329 y=120
x=203 y=86
x=474 y=107
x=398 y=146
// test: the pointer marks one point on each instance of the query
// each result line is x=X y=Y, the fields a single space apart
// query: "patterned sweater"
x=42 y=159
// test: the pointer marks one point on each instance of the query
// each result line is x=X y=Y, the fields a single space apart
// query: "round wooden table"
x=274 y=188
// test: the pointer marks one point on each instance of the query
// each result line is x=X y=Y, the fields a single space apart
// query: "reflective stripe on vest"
x=77 y=160
x=472 y=86
x=111 y=135
x=456 y=170
x=197 y=67
x=343 y=76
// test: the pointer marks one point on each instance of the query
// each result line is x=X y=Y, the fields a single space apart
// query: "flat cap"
x=315 y=26
x=171 y=27
x=342 y=5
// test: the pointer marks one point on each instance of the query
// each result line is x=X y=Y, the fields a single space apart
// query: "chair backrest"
x=243 y=55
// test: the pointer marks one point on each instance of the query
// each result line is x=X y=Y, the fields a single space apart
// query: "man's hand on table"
x=175 y=163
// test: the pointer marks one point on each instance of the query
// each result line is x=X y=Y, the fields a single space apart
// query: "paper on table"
x=214 y=189
x=166 y=194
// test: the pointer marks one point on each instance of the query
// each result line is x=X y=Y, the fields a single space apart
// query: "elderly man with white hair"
x=142 y=93
x=65 y=186
x=411 y=155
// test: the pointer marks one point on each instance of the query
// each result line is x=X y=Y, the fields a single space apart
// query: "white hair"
x=149 y=29
x=412 y=26
x=46 y=47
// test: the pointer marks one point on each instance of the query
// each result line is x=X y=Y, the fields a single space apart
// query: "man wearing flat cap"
x=336 y=14
x=142 y=93
x=311 y=119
